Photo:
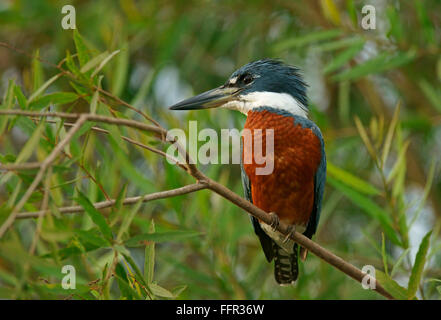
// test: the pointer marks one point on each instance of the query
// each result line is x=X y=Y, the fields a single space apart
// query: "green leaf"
x=138 y=275
x=178 y=290
x=307 y=39
x=149 y=260
x=383 y=62
x=31 y=144
x=123 y=282
x=396 y=27
x=427 y=27
x=399 y=163
x=7 y=104
x=383 y=254
x=390 y=134
x=8 y=278
x=95 y=97
x=338 y=44
x=53 y=98
x=70 y=63
x=344 y=91
x=91 y=237
x=364 y=136
x=43 y=87
x=342 y=58
x=94 y=61
x=95 y=215
x=431 y=93
x=22 y=101
x=83 y=56
x=351 y=180
x=8 y=99
x=119 y=200
x=120 y=75
x=128 y=220
x=167 y=236
x=160 y=291
x=399 y=261
x=104 y=62
x=369 y=207
x=115 y=136
x=391 y=286
x=352 y=12
x=37 y=71
x=418 y=266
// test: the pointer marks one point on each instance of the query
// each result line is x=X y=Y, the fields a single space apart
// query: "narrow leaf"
x=95 y=215
x=149 y=260
x=383 y=253
x=94 y=61
x=21 y=99
x=128 y=220
x=43 y=87
x=83 y=56
x=364 y=136
x=382 y=62
x=31 y=144
x=390 y=285
x=399 y=262
x=104 y=62
x=37 y=71
x=351 y=180
x=418 y=266
x=342 y=58
x=390 y=134
x=53 y=98
x=369 y=207
x=160 y=291
x=307 y=39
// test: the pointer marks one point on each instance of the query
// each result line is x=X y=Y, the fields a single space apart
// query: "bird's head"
x=263 y=83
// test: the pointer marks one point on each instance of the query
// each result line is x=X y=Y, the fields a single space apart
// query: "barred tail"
x=286 y=267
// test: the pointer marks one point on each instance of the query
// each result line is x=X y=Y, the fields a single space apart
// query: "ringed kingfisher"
x=272 y=95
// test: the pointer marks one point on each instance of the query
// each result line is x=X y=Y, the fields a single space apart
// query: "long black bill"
x=210 y=99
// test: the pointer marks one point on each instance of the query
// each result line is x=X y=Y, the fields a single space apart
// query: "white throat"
x=275 y=100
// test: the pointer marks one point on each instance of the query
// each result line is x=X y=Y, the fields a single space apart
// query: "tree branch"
x=127 y=201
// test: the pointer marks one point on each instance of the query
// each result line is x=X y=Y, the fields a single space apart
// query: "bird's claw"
x=274 y=220
x=291 y=231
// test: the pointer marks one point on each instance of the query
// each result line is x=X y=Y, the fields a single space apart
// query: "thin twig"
x=89 y=117
x=127 y=201
x=132 y=141
x=20 y=166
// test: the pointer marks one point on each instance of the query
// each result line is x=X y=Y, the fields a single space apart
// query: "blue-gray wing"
x=319 y=178
x=265 y=240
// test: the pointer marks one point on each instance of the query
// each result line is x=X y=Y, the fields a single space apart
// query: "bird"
x=273 y=96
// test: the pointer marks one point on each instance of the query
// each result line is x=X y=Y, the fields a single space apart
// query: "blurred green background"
x=383 y=193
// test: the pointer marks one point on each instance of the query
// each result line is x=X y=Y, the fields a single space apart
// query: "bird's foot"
x=291 y=231
x=274 y=220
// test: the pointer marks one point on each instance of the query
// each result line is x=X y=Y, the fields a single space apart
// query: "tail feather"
x=286 y=267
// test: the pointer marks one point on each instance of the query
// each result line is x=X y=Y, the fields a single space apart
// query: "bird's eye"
x=246 y=78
